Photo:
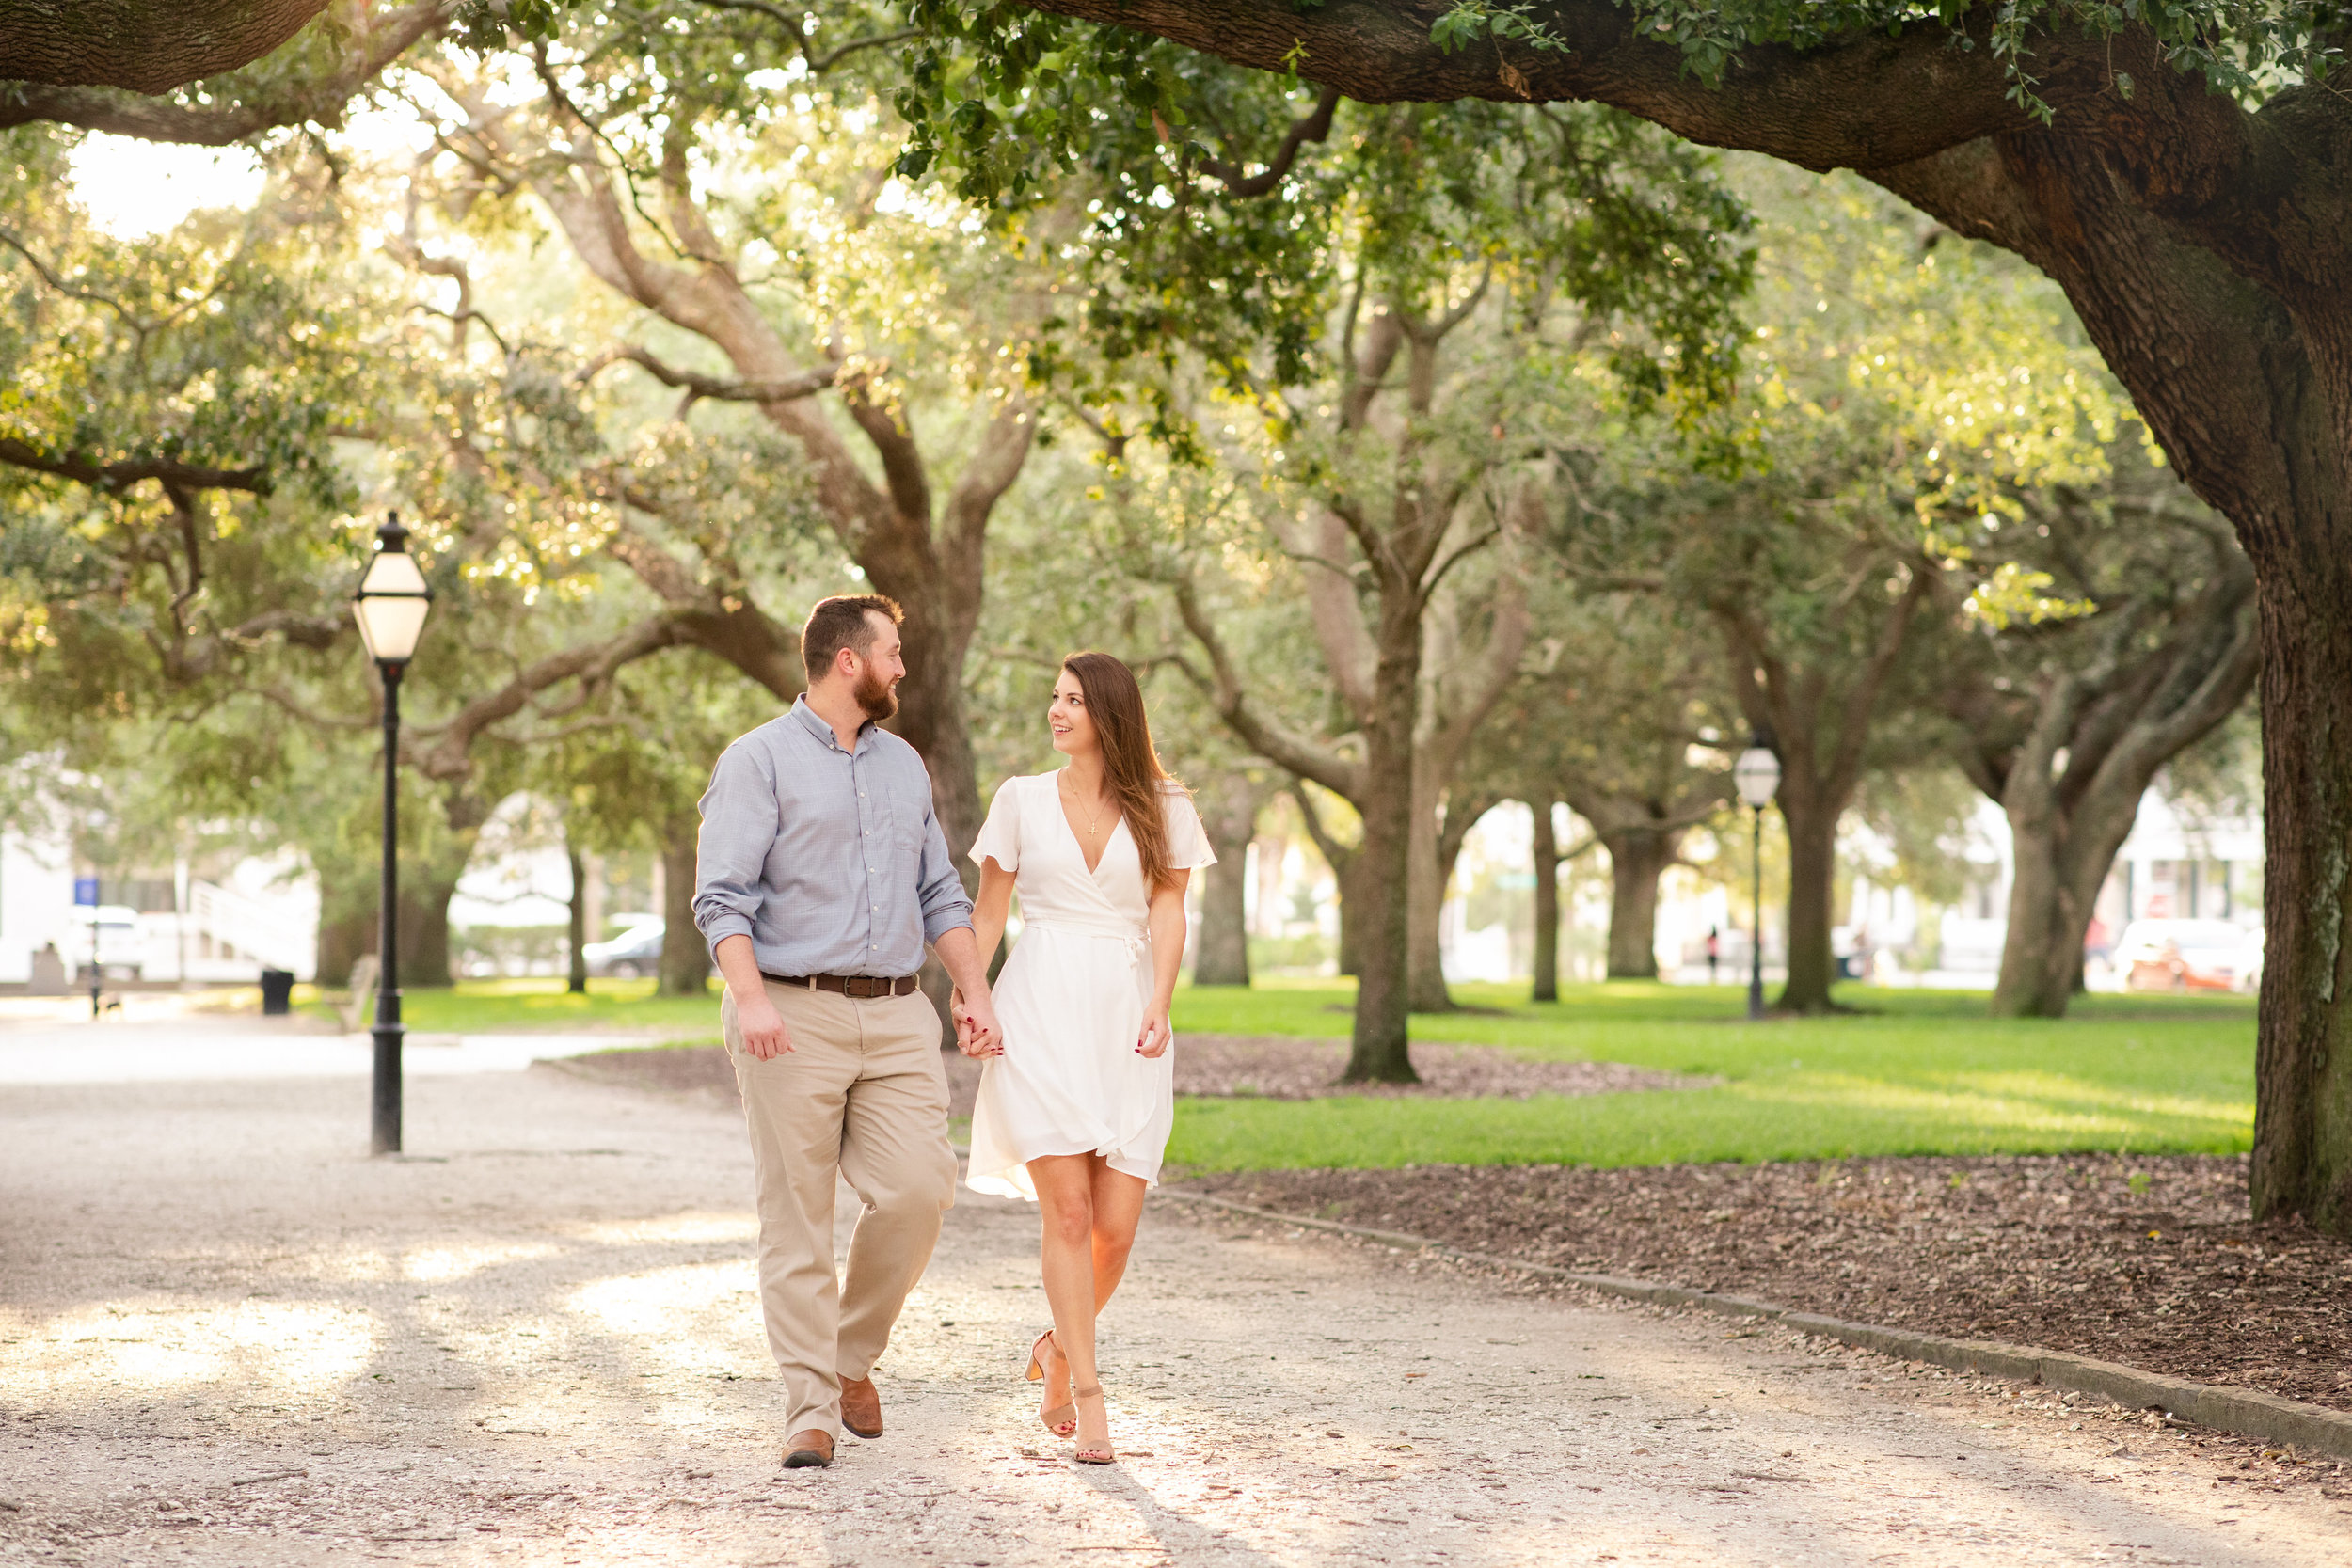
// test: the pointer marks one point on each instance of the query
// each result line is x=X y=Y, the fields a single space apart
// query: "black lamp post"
x=1757 y=775
x=390 y=607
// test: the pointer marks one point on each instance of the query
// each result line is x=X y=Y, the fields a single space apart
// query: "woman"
x=1074 y=1110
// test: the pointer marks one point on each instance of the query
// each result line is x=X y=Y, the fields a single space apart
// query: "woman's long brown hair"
x=1139 y=782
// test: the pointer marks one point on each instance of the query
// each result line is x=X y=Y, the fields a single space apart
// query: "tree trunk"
x=2062 y=860
x=1637 y=857
x=1547 y=959
x=2303 y=1064
x=577 y=938
x=1812 y=864
x=1346 y=862
x=1380 y=1050
x=1231 y=818
x=1425 y=889
x=685 y=959
x=424 y=928
x=1348 y=871
x=342 y=940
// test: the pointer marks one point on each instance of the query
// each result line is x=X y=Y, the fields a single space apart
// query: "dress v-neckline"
x=1067 y=826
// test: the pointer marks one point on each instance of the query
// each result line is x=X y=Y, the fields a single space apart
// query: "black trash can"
x=276 y=993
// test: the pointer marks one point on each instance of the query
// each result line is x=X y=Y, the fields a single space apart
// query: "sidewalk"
x=227 y=1337
x=174 y=1038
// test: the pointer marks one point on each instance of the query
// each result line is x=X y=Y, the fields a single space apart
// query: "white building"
x=264 y=913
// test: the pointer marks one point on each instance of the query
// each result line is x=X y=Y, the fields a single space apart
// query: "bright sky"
x=134 y=188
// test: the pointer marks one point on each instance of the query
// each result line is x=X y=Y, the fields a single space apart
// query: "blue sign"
x=84 y=891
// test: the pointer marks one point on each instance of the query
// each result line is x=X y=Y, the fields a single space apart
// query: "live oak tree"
x=2122 y=635
x=1423 y=446
x=814 y=283
x=205 y=425
x=1616 y=718
x=1897 y=398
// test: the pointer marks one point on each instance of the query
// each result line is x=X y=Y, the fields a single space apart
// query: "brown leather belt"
x=864 y=987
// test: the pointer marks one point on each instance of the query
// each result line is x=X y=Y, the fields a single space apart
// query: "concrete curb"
x=2244 y=1412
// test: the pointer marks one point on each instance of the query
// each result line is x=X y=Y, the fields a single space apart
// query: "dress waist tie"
x=1137 y=941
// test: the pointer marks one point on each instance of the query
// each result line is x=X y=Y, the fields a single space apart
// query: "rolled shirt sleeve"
x=945 y=905
x=739 y=828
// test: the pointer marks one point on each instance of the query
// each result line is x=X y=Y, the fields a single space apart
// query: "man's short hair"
x=840 y=622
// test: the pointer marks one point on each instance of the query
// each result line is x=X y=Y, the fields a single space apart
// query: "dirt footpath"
x=226 y=1337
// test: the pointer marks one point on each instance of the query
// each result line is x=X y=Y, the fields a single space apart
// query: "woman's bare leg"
x=1065 y=1199
x=1118 y=1209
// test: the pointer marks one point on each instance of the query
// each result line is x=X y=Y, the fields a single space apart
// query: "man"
x=823 y=874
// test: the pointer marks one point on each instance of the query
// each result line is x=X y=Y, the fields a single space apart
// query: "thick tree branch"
x=1313 y=127
x=114 y=100
x=123 y=473
x=1222 y=686
x=1865 y=104
x=591 y=663
x=717 y=389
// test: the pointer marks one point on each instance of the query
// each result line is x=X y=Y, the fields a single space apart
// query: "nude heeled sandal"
x=1094 y=1453
x=1063 y=1419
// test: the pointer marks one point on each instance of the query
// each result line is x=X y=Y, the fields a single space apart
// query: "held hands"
x=977 y=1034
x=765 y=1037
x=1157 y=1035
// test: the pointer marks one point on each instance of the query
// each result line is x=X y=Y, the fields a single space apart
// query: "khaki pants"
x=860 y=1096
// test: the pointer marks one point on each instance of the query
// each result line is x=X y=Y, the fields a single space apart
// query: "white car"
x=633 y=954
x=2189 y=955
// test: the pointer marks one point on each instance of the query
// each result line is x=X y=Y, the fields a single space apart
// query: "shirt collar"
x=823 y=731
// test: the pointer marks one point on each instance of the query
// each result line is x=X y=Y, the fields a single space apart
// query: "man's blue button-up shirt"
x=829 y=861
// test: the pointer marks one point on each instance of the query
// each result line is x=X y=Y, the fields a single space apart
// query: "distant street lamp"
x=390 y=607
x=1757 y=775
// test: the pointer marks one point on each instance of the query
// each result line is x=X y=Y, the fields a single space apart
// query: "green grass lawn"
x=1913 y=1073
x=1916 y=1072
x=543 y=1007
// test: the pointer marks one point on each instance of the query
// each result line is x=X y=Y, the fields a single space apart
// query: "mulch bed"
x=2150 y=1261
x=1275 y=1066
x=1278 y=1066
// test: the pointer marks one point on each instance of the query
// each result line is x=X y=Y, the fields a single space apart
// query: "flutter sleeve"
x=1000 y=836
x=1187 y=839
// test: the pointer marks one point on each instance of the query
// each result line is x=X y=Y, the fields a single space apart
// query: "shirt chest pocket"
x=898 y=833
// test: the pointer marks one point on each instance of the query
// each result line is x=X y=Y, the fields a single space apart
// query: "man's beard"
x=877 y=698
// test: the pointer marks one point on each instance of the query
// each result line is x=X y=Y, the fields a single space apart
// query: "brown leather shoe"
x=806 y=1449
x=861 y=1406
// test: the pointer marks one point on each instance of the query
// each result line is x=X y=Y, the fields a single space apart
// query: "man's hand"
x=977 y=1034
x=765 y=1037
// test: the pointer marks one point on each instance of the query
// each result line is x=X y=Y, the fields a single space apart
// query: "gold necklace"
x=1092 y=817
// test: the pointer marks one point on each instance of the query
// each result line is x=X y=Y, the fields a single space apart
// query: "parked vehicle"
x=121 y=952
x=632 y=955
x=2189 y=955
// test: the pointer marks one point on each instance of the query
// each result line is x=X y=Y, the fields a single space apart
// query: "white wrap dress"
x=1071 y=999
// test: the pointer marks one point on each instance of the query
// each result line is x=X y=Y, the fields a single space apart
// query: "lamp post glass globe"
x=1757 y=775
x=392 y=601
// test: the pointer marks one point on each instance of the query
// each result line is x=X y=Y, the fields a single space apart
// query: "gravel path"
x=226 y=1337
